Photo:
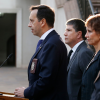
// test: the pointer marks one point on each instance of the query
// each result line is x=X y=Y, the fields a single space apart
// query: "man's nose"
x=65 y=33
x=29 y=25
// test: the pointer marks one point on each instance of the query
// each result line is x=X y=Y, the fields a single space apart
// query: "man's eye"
x=89 y=31
x=68 y=30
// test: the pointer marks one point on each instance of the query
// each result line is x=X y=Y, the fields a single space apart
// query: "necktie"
x=70 y=52
x=39 y=43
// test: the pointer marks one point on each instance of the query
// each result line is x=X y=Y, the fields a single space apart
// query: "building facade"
x=16 y=37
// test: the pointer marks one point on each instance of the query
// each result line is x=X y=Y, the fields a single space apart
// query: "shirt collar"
x=76 y=46
x=46 y=33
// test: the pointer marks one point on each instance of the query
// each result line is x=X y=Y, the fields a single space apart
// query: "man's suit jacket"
x=89 y=77
x=96 y=92
x=76 y=66
x=49 y=80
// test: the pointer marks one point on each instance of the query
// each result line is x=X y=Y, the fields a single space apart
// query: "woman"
x=90 y=74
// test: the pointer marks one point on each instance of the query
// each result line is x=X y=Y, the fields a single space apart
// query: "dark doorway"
x=8 y=38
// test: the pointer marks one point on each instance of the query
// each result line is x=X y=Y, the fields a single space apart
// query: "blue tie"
x=39 y=43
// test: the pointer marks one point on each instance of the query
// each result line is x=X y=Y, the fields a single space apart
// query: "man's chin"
x=66 y=42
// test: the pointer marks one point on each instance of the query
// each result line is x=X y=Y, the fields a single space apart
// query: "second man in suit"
x=80 y=57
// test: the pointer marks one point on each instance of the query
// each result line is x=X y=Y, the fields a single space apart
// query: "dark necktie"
x=39 y=43
x=70 y=52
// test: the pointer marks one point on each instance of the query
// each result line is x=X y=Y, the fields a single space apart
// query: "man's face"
x=34 y=24
x=70 y=35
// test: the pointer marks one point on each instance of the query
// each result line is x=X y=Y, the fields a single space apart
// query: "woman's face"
x=92 y=36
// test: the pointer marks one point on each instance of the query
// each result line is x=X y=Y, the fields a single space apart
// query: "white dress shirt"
x=75 y=47
x=46 y=33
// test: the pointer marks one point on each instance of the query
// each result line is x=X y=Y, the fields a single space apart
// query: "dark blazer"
x=50 y=77
x=76 y=66
x=96 y=92
x=89 y=77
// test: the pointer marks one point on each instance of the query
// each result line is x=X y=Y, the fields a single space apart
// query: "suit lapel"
x=35 y=55
x=75 y=54
x=98 y=76
x=92 y=61
x=41 y=46
x=71 y=61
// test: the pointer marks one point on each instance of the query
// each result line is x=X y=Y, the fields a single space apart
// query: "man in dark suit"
x=80 y=57
x=47 y=70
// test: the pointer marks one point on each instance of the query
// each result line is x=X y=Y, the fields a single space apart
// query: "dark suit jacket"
x=76 y=66
x=89 y=77
x=50 y=77
x=96 y=92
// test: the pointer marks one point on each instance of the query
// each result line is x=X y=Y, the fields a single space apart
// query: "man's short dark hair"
x=45 y=12
x=78 y=25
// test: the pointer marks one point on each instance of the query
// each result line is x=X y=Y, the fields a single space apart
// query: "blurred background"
x=16 y=37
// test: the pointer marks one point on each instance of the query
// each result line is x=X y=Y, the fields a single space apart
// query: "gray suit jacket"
x=76 y=66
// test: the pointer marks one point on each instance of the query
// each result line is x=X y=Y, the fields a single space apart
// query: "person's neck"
x=46 y=29
x=74 y=43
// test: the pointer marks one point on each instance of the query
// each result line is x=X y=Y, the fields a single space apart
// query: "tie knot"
x=70 y=52
x=39 y=43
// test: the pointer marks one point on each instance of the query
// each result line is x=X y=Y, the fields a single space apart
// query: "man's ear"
x=43 y=22
x=79 y=34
